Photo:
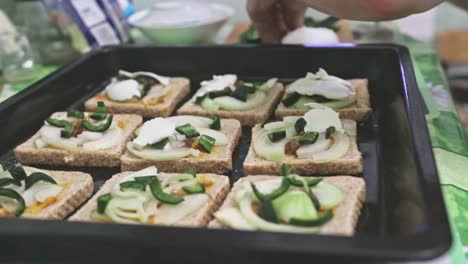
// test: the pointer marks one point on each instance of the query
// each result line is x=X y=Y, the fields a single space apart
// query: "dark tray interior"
x=403 y=216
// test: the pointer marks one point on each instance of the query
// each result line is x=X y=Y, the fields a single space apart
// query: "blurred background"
x=36 y=37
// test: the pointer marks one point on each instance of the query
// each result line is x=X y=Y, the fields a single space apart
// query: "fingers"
x=293 y=13
x=266 y=16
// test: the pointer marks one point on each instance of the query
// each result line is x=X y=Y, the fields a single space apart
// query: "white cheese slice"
x=154 y=131
x=170 y=214
x=218 y=83
x=321 y=118
x=123 y=90
x=110 y=138
x=310 y=35
x=162 y=79
x=322 y=84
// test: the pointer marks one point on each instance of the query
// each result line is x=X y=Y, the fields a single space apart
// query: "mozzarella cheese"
x=322 y=84
x=309 y=35
x=123 y=90
x=154 y=131
x=218 y=83
x=319 y=119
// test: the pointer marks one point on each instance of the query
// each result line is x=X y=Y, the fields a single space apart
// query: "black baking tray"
x=403 y=218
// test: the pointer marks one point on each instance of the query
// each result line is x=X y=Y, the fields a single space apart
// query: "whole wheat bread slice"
x=217 y=192
x=249 y=117
x=218 y=161
x=78 y=188
x=359 y=110
x=346 y=214
x=28 y=153
x=164 y=106
x=351 y=163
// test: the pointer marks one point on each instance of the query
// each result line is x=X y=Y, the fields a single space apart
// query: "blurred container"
x=49 y=44
x=16 y=56
x=181 y=22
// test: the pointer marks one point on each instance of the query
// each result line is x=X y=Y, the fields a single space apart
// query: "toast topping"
x=318 y=135
x=22 y=191
x=225 y=92
x=129 y=86
x=321 y=88
x=91 y=131
x=288 y=204
x=148 y=197
x=176 y=137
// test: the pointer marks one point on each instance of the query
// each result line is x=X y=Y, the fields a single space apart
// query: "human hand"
x=274 y=18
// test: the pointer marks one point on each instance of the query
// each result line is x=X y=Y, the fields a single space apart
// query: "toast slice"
x=359 y=110
x=249 y=117
x=218 y=161
x=163 y=106
x=351 y=163
x=217 y=192
x=78 y=187
x=28 y=153
x=346 y=214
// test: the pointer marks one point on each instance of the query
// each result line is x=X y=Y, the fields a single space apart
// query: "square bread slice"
x=346 y=214
x=78 y=188
x=250 y=117
x=351 y=163
x=217 y=192
x=359 y=110
x=28 y=153
x=163 y=106
x=218 y=161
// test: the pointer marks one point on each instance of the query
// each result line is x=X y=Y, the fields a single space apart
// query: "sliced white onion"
x=40 y=191
x=111 y=138
x=90 y=136
x=195 y=121
x=170 y=214
x=339 y=148
x=233 y=218
x=160 y=155
x=307 y=151
x=51 y=136
x=220 y=138
x=266 y=149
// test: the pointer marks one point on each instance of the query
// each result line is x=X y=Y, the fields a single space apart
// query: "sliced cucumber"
x=307 y=151
x=232 y=218
x=209 y=104
x=51 y=136
x=196 y=121
x=294 y=204
x=266 y=149
x=253 y=219
x=334 y=104
x=170 y=214
x=231 y=103
x=339 y=148
x=328 y=195
x=159 y=155
x=220 y=138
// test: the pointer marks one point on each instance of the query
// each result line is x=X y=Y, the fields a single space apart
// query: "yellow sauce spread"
x=4 y=212
x=102 y=96
x=122 y=123
x=205 y=180
x=37 y=207
x=159 y=100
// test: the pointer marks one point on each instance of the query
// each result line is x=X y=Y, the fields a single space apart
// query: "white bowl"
x=176 y=22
